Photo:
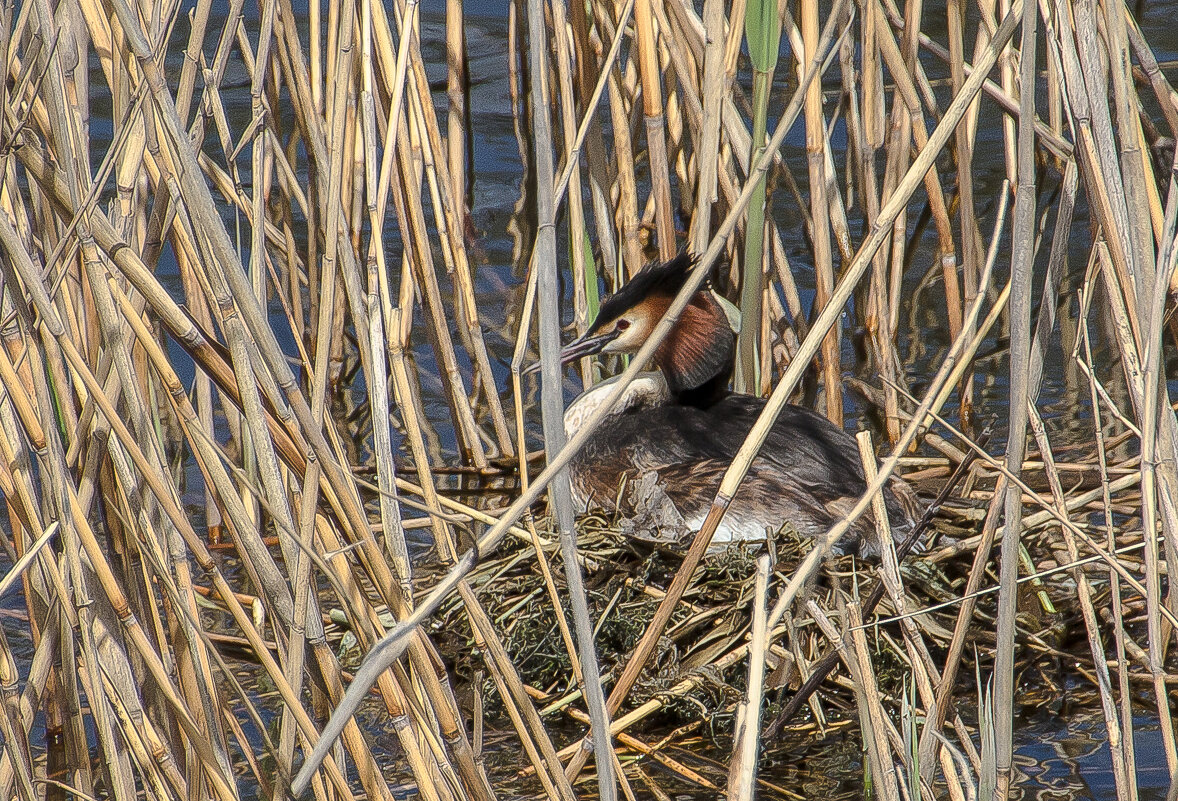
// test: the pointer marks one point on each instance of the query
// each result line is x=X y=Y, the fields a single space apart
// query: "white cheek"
x=629 y=341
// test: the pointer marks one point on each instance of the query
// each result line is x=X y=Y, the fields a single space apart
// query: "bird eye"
x=622 y=324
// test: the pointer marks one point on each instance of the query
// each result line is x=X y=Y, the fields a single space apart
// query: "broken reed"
x=342 y=147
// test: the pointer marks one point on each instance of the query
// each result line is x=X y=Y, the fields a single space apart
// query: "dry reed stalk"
x=626 y=209
x=410 y=419
x=641 y=747
x=1125 y=781
x=585 y=295
x=1125 y=311
x=820 y=216
x=655 y=118
x=517 y=360
x=457 y=115
x=426 y=279
x=747 y=737
x=905 y=87
x=924 y=672
x=381 y=656
x=1127 y=756
x=971 y=251
x=378 y=307
x=596 y=161
x=688 y=26
x=712 y=91
x=1022 y=395
x=527 y=723
x=864 y=137
x=326 y=346
x=871 y=717
x=1058 y=146
x=552 y=406
x=944 y=687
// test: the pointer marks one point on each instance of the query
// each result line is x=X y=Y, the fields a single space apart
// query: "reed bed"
x=227 y=335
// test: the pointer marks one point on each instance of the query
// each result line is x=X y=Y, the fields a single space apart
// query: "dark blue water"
x=1069 y=758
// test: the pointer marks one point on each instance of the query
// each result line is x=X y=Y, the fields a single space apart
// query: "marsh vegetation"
x=266 y=305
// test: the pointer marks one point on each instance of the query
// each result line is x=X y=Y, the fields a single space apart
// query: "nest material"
x=625 y=582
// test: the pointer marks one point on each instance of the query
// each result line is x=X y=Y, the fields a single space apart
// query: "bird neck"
x=697 y=357
x=708 y=393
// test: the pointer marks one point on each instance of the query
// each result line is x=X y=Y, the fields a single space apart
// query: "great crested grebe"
x=660 y=455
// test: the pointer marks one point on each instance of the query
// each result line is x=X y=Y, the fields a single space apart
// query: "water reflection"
x=1059 y=758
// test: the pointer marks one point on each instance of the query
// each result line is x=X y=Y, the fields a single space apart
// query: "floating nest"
x=697 y=671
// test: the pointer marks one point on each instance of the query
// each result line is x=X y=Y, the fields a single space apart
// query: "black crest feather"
x=665 y=278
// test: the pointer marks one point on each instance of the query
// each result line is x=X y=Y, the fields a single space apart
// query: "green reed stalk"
x=762 y=27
